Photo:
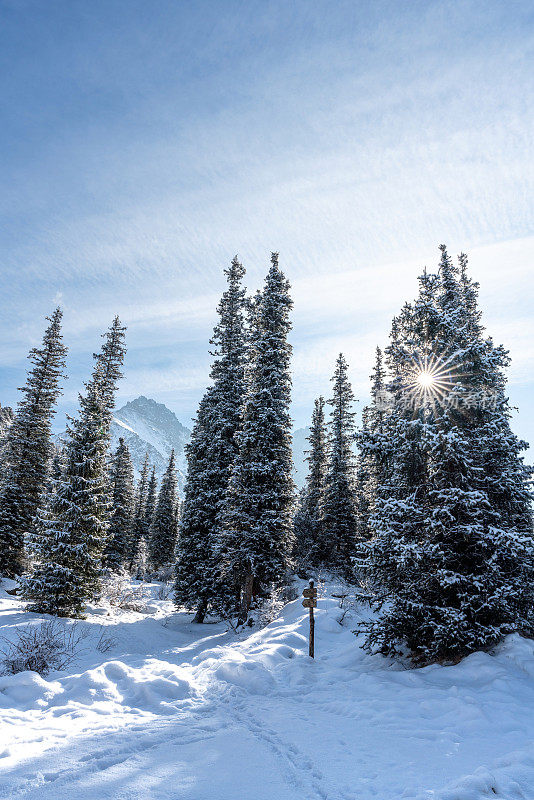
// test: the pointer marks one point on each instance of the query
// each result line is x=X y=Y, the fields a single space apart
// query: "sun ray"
x=430 y=380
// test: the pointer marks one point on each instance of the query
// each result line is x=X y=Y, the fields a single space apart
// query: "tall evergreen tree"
x=141 y=523
x=339 y=515
x=374 y=455
x=309 y=534
x=73 y=530
x=123 y=510
x=258 y=525
x=28 y=449
x=151 y=498
x=6 y=419
x=453 y=546
x=162 y=542
x=210 y=455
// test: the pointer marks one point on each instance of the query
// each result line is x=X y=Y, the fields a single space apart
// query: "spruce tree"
x=140 y=564
x=373 y=456
x=142 y=522
x=258 y=536
x=210 y=456
x=162 y=542
x=123 y=509
x=339 y=514
x=6 y=419
x=453 y=547
x=309 y=533
x=151 y=498
x=73 y=529
x=28 y=449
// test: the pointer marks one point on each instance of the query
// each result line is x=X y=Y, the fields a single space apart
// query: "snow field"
x=176 y=710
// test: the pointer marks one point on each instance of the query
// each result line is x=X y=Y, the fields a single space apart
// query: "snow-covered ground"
x=176 y=710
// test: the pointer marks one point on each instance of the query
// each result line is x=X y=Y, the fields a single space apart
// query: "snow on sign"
x=310 y=602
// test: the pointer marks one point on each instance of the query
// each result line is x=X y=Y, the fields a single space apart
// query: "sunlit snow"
x=176 y=710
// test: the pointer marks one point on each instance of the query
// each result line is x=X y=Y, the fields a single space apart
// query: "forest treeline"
x=425 y=506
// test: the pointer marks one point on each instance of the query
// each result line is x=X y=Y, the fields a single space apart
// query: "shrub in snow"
x=105 y=641
x=118 y=591
x=165 y=591
x=42 y=648
x=267 y=610
x=140 y=563
x=165 y=574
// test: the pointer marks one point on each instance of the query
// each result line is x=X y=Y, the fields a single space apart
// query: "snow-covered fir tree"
x=28 y=450
x=73 y=530
x=6 y=419
x=308 y=523
x=453 y=548
x=57 y=466
x=151 y=498
x=123 y=508
x=162 y=542
x=140 y=564
x=210 y=456
x=258 y=537
x=339 y=507
x=142 y=520
x=373 y=456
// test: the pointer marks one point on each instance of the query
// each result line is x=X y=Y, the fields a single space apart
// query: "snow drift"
x=177 y=710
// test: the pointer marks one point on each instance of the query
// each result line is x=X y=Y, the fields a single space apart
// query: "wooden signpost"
x=310 y=601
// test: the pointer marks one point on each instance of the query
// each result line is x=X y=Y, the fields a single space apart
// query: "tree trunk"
x=246 y=598
x=201 y=612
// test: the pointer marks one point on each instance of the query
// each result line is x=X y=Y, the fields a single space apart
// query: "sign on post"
x=310 y=602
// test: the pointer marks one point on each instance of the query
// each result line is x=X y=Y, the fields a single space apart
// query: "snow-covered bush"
x=119 y=591
x=41 y=648
x=105 y=641
x=165 y=591
x=278 y=598
x=165 y=573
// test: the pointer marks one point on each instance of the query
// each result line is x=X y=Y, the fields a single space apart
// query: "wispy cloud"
x=145 y=149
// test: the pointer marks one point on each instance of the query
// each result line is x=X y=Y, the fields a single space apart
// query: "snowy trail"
x=208 y=716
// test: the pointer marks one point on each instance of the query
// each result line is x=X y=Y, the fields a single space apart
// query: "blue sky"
x=144 y=144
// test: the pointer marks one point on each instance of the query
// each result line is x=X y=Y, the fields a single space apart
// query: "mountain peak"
x=151 y=410
x=150 y=427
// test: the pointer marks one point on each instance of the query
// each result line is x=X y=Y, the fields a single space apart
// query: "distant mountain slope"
x=148 y=426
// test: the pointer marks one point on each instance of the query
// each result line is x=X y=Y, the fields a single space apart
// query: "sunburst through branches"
x=431 y=379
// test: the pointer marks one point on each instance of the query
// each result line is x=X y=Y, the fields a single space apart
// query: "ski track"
x=215 y=718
